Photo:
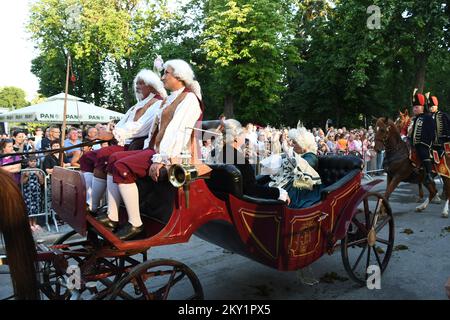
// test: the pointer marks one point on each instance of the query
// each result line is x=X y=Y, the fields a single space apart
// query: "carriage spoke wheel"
x=160 y=279
x=369 y=239
x=53 y=284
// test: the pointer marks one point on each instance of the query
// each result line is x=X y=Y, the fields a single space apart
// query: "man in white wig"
x=169 y=135
x=129 y=132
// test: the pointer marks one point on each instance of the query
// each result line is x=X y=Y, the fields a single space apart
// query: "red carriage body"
x=264 y=230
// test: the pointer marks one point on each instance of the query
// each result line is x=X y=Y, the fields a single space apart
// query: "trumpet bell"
x=180 y=175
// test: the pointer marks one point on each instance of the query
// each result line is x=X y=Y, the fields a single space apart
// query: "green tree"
x=349 y=70
x=13 y=98
x=248 y=42
x=107 y=46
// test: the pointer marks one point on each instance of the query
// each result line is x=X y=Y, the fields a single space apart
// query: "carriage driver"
x=132 y=129
x=169 y=136
x=423 y=134
x=442 y=124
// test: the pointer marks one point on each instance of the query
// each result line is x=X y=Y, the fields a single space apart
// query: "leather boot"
x=107 y=222
x=428 y=166
x=128 y=231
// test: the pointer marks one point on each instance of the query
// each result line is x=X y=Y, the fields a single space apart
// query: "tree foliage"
x=13 y=98
x=248 y=42
x=265 y=61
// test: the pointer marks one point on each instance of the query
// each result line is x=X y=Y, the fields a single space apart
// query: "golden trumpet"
x=182 y=176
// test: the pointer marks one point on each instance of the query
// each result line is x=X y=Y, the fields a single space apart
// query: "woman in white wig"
x=299 y=176
x=306 y=185
x=233 y=152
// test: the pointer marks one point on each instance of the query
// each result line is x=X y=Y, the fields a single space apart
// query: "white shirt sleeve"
x=126 y=116
x=176 y=136
x=135 y=129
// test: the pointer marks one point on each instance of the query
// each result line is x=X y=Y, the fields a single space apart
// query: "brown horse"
x=402 y=123
x=19 y=242
x=399 y=167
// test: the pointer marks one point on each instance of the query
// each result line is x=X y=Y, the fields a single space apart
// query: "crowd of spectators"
x=30 y=170
x=260 y=143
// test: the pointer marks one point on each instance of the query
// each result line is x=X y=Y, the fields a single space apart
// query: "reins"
x=83 y=144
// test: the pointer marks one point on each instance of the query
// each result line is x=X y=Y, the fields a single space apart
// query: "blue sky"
x=17 y=51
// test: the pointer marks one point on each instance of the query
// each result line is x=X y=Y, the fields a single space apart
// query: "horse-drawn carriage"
x=266 y=231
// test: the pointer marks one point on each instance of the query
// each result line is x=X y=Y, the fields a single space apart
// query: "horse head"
x=403 y=120
x=386 y=130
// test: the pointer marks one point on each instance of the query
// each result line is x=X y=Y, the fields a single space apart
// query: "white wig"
x=183 y=72
x=151 y=79
x=304 y=138
x=232 y=129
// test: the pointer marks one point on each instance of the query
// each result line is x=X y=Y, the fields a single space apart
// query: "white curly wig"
x=183 y=72
x=151 y=79
x=304 y=138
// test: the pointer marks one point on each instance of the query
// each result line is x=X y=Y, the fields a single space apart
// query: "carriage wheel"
x=369 y=239
x=52 y=284
x=160 y=279
x=65 y=237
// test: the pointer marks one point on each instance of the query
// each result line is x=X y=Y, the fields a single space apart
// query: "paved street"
x=417 y=272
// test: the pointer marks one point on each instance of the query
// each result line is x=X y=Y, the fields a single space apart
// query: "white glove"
x=283 y=194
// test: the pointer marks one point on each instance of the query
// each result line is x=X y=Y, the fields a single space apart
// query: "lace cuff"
x=160 y=158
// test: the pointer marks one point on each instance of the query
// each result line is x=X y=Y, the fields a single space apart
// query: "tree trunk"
x=126 y=95
x=128 y=100
x=421 y=63
x=229 y=107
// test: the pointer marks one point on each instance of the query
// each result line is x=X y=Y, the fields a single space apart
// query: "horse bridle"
x=384 y=140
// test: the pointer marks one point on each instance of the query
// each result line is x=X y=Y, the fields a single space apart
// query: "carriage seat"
x=336 y=171
x=227 y=179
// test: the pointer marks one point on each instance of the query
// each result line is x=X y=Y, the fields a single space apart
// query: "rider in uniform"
x=423 y=134
x=442 y=124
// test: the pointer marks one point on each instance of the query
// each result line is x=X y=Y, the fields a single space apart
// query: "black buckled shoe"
x=107 y=222
x=128 y=231
x=99 y=211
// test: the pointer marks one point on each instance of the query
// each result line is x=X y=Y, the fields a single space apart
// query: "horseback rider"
x=442 y=124
x=422 y=134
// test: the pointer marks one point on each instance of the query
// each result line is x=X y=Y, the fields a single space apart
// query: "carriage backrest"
x=333 y=168
x=225 y=178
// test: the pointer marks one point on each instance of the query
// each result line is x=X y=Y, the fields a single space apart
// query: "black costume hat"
x=431 y=101
x=418 y=99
